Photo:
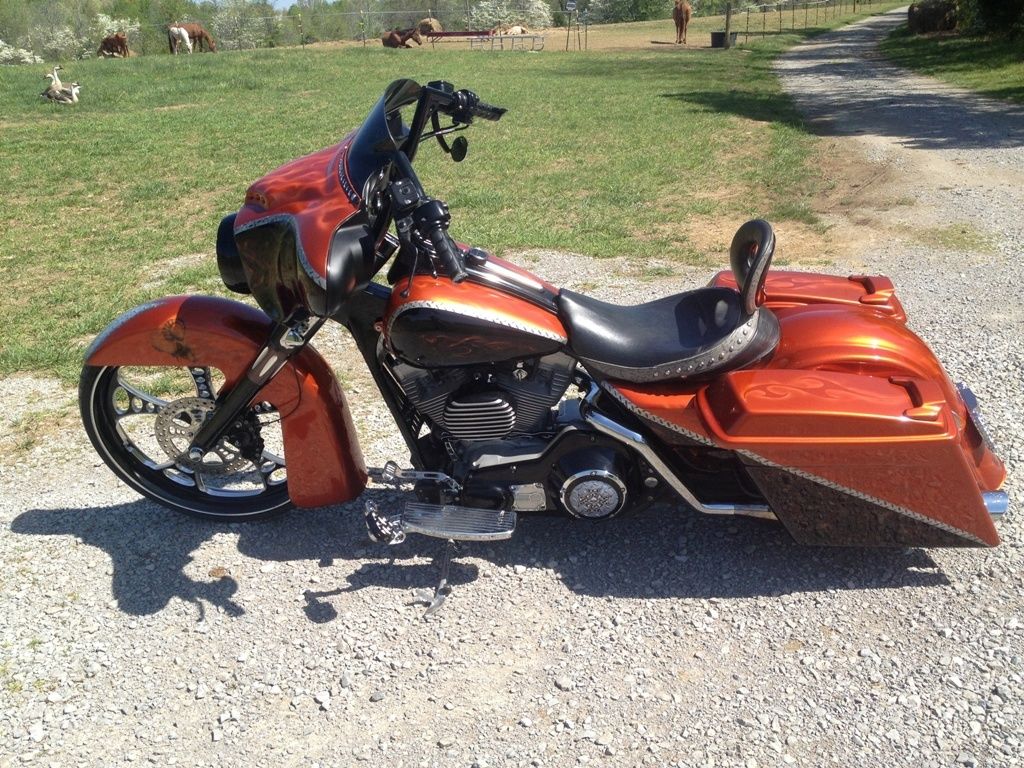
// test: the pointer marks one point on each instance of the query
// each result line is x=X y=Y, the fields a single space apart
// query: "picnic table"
x=513 y=42
x=480 y=40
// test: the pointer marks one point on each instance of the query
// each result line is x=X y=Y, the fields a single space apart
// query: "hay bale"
x=428 y=25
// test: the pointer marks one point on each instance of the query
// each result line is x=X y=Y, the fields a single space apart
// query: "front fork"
x=285 y=340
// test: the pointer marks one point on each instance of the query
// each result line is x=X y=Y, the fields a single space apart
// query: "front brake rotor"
x=178 y=423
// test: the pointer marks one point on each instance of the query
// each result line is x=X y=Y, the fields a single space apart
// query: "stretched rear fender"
x=325 y=464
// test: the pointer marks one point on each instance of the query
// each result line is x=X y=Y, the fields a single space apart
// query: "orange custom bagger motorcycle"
x=782 y=395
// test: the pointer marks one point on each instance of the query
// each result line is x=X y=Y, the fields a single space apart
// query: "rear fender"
x=324 y=462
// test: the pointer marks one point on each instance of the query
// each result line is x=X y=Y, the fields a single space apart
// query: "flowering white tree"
x=491 y=13
x=237 y=24
x=11 y=55
x=104 y=26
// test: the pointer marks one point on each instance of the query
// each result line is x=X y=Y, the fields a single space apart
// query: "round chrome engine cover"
x=594 y=493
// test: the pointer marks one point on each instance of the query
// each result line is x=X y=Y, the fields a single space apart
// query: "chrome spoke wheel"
x=142 y=421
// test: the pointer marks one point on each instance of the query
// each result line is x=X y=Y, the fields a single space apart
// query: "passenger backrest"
x=750 y=254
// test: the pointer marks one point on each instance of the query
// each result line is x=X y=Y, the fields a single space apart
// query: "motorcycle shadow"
x=663 y=552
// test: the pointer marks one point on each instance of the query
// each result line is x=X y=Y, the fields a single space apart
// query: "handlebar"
x=430 y=217
x=449 y=254
x=463 y=105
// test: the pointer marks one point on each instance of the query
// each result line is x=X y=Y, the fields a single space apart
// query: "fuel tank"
x=435 y=323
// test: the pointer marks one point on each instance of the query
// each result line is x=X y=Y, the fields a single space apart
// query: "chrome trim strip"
x=974 y=411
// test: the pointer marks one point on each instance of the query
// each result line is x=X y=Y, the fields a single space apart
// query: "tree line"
x=60 y=30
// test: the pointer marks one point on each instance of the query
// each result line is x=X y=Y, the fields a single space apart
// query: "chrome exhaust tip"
x=996 y=502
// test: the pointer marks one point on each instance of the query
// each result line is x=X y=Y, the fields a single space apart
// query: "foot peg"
x=459 y=523
x=442 y=521
x=380 y=527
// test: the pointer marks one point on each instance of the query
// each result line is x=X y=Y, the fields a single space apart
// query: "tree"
x=491 y=13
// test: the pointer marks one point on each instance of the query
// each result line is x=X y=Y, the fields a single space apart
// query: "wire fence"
x=320 y=24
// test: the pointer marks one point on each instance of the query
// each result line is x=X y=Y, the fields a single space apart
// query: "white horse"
x=180 y=37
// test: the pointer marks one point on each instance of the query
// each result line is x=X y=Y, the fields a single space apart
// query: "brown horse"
x=681 y=16
x=400 y=38
x=196 y=33
x=114 y=45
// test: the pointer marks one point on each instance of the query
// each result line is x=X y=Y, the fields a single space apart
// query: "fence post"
x=746 y=37
x=780 y=18
x=302 y=36
x=728 y=26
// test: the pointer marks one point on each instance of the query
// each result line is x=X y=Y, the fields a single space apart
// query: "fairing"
x=324 y=463
x=298 y=208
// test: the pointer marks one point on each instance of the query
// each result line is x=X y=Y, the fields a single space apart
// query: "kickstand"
x=435 y=599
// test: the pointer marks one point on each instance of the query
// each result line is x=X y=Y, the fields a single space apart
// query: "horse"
x=399 y=38
x=681 y=16
x=115 y=45
x=197 y=36
x=177 y=37
x=517 y=29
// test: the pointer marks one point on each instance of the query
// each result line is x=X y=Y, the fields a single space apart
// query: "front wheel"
x=141 y=421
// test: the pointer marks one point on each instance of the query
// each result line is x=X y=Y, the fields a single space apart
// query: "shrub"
x=994 y=17
x=11 y=55
x=931 y=16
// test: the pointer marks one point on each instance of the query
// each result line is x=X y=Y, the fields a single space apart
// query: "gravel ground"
x=129 y=634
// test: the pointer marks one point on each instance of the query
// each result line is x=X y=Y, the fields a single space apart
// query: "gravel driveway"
x=129 y=634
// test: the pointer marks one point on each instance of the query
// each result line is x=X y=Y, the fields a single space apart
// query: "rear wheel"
x=141 y=420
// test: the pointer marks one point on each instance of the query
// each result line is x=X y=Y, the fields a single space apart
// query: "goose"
x=67 y=95
x=55 y=83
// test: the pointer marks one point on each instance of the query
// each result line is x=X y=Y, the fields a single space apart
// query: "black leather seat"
x=688 y=335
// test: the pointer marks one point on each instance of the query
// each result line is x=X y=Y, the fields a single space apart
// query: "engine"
x=508 y=446
x=477 y=403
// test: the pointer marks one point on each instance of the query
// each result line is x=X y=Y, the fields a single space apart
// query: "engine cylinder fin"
x=479 y=417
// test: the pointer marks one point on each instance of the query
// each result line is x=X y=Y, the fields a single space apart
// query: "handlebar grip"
x=488 y=111
x=449 y=254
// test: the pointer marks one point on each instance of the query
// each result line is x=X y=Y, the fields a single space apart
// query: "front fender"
x=323 y=459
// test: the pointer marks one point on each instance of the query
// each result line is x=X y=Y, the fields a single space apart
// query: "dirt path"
x=935 y=155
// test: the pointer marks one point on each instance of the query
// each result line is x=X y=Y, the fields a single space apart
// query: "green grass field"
x=993 y=67
x=116 y=200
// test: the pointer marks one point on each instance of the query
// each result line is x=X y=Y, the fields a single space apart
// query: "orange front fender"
x=325 y=465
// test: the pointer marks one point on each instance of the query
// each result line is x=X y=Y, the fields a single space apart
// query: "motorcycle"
x=796 y=397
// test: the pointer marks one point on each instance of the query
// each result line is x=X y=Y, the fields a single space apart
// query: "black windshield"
x=381 y=133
